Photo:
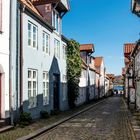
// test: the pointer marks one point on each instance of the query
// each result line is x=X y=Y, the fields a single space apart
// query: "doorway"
x=56 y=91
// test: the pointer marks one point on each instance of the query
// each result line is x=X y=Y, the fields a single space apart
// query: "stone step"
x=2 y=123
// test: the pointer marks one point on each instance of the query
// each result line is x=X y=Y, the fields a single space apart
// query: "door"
x=56 y=91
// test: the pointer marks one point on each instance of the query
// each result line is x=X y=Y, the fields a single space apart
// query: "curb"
x=129 y=120
x=6 y=128
x=49 y=127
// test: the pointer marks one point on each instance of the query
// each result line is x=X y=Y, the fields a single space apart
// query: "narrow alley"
x=105 y=121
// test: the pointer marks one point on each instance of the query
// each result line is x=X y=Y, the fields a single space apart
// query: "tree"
x=74 y=68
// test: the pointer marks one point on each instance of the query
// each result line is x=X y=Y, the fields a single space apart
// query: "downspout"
x=21 y=57
x=10 y=62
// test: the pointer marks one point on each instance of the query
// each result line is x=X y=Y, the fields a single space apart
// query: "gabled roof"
x=128 y=48
x=87 y=47
x=30 y=6
x=98 y=61
x=111 y=76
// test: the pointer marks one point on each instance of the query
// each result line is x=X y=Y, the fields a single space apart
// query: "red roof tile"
x=128 y=48
x=98 y=61
x=87 y=47
x=30 y=6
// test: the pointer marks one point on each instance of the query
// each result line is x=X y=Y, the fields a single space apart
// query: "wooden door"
x=56 y=91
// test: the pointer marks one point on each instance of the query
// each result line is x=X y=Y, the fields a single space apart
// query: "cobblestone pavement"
x=106 y=121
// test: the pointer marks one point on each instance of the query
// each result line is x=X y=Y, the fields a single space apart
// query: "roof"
x=111 y=76
x=128 y=48
x=98 y=61
x=87 y=47
x=30 y=6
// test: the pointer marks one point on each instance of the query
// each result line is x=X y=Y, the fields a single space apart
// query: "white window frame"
x=56 y=21
x=33 y=36
x=46 y=42
x=32 y=91
x=57 y=48
x=45 y=88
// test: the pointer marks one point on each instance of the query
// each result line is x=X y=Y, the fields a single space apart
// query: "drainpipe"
x=10 y=61
x=22 y=8
x=11 y=46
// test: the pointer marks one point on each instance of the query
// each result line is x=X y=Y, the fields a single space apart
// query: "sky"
x=108 y=24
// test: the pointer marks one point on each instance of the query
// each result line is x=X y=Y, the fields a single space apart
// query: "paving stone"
x=106 y=121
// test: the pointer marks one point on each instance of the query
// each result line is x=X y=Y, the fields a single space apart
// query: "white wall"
x=82 y=88
x=4 y=55
x=36 y=58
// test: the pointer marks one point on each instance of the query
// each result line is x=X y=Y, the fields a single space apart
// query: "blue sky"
x=108 y=24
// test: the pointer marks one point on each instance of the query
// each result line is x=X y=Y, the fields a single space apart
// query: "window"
x=0 y=15
x=32 y=88
x=46 y=43
x=57 y=48
x=56 y=21
x=64 y=52
x=32 y=35
x=45 y=88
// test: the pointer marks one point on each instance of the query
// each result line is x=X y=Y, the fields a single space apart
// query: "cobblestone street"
x=106 y=121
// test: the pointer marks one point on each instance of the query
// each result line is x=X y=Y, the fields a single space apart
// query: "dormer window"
x=56 y=21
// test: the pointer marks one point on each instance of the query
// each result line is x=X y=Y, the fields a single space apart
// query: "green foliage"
x=25 y=119
x=73 y=71
x=44 y=114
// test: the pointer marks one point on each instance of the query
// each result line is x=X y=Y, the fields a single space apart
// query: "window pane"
x=34 y=85
x=47 y=43
x=29 y=84
x=29 y=34
x=34 y=36
x=34 y=74
x=43 y=42
x=29 y=74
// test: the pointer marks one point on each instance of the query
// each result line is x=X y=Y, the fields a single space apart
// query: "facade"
x=128 y=77
x=4 y=58
x=92 y=77
x=42 y=61
x=100 y=67
x=97 y=84
x=8 y=45
x=107 y=86
x=83 y=85
x=85 y=51
x=136 y=74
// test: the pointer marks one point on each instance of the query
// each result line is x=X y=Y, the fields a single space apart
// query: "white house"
x=92 y=77
x=100 y=67
x=107 y=86
x=8 y=42
x=43 y=75
x=83 y=84
x=4 y=57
